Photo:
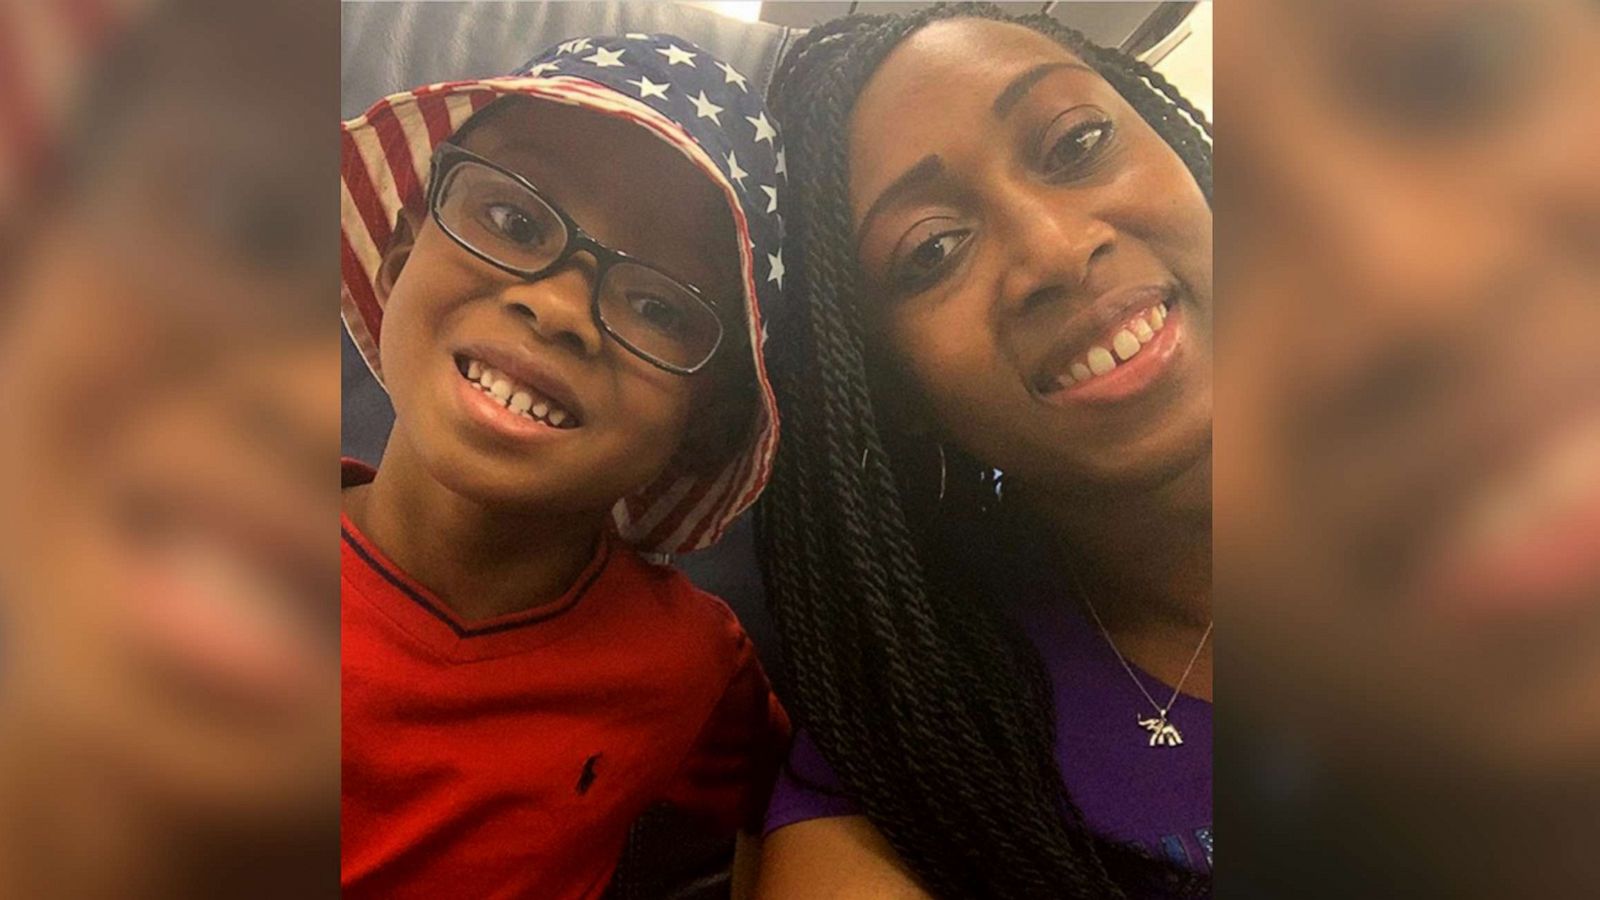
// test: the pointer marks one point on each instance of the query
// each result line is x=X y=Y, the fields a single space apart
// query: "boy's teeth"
x=1125 y=344
x=1100 y=361
x=1142 y=330
x=517 y=399
x=1158 y=317
x=1080 y=372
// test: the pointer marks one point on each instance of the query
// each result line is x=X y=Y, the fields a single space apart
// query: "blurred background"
x=169 y=668
x=1407 y=510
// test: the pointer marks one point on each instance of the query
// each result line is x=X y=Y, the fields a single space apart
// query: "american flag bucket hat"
x=680 y=94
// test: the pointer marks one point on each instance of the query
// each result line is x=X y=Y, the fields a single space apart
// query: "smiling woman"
x=1003 y=679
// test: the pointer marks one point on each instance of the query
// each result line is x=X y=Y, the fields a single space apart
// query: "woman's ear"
x=406 y=227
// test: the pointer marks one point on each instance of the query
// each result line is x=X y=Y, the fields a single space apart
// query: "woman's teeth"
x=1125 y=345
x=1100 y=361
x=519 y=399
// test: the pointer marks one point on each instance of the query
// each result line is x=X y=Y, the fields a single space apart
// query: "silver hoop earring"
x=941 y=472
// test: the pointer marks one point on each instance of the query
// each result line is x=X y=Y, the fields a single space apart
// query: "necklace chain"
x=1126 y=667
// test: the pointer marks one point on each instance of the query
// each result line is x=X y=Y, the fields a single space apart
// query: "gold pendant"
x=1162 y=732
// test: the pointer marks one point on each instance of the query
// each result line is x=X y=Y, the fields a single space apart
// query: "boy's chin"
x=548 y=491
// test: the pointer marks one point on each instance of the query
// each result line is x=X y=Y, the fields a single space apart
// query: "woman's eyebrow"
x=918 y=175
x=1019 y=86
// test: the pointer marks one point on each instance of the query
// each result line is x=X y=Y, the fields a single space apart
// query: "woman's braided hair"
x=931 y=708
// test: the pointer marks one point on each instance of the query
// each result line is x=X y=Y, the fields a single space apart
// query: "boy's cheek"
x=414 y=322
x=663 y=413
x=650 y=423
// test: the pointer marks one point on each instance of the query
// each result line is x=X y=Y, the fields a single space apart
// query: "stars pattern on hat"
x=734 y=172
x=541 y=68
x=677 y=56
x=732 y=76
x=705 y=109
x=575 y=45
x=604 y=58
x=764 y=129
x=772 y=198
x=648 y=88
x=775 y=261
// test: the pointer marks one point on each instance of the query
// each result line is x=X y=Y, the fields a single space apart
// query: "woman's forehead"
x=972 y=72
x=963 y=55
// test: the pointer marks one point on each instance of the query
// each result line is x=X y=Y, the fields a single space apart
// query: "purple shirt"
x=1158 y=798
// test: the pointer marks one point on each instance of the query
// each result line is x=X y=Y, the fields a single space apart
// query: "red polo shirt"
x=508 y=758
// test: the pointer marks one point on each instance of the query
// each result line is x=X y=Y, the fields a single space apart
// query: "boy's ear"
x=406 y=227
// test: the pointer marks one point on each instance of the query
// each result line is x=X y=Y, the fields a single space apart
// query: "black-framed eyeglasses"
x=501 y=218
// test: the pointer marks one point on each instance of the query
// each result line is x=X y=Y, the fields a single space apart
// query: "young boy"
x=568 y=267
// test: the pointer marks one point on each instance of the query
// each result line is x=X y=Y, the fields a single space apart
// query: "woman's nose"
x=1053 y=244
x=559 y=307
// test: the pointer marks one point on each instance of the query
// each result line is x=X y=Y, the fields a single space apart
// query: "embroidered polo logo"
x=586 y=778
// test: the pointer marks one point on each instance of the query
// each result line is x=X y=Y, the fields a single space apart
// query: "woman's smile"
x=1123 y=360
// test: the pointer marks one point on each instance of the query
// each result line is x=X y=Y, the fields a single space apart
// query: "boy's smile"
x=508 y=391
x=513 y=391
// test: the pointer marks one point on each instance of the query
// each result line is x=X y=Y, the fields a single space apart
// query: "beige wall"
x=1188 y=65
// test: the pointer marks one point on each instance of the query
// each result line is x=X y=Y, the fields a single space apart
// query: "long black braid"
x=931 y=707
